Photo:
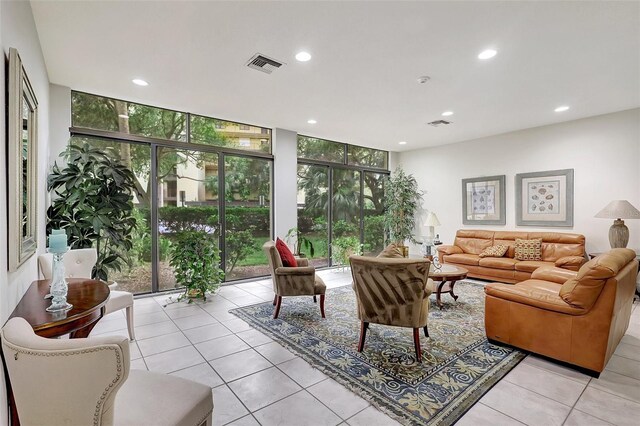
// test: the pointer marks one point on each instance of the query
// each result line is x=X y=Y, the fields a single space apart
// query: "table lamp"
x=618 y=210
x=430 y=223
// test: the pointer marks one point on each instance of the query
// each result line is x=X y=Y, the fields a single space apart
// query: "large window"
x=181 y=171
x=340 y=198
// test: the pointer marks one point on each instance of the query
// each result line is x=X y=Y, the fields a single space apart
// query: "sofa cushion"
x=528 y=249
x=287 y=258
x=531 y=265
x=498 y=262
x=494 y=251
x=464 y=259
x=558 y=244
x=391 y=251
x=583 y=290
x=533 y=293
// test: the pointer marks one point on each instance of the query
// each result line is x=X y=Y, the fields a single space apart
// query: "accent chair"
x=79 y=263
x=89 y=382
x=293 y=281
x=392 y=291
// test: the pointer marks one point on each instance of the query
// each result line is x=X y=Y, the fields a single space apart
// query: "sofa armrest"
x=570 y=262
x=302 y=261
x=298 y=270
x=449 y=250
x=532 y=297
x=555 y=275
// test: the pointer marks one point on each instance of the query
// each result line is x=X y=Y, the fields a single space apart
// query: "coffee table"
x=446 y=278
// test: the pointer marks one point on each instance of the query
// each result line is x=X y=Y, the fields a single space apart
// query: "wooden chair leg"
x=426 y=331
x=363 y=333
x=321 y=305
x=416 y=343
x=278 y=303
x=314 y=299
x=275 y=300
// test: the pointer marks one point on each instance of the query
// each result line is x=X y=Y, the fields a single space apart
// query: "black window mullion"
x=155 y=267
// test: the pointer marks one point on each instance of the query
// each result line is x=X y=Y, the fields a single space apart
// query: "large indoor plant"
x=402 y=199
x=195 y=259
x=93 y=203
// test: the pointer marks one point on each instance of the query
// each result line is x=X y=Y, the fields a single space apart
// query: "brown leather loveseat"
x=558 y=249
x=575 y=317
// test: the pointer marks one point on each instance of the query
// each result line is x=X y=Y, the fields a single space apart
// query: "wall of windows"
x=192 y=172
x=340 y=198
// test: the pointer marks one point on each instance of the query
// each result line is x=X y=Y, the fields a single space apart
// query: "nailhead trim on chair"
x=98 y=413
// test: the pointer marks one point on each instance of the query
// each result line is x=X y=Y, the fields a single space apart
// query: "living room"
x=303 y=143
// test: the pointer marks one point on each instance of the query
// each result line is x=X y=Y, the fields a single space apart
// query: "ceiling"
x=361 y=83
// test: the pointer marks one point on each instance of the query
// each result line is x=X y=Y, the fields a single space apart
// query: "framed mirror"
x=22 y=117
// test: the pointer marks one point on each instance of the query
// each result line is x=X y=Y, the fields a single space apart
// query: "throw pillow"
x=392 y=250
x=288 y=259
x=494 y=251
x=528 y=249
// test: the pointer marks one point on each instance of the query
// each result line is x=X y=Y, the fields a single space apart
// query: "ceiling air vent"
x=262 y=63
x=439 y=123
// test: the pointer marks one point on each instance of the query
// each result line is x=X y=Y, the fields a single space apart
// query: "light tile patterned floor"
x=258 y=382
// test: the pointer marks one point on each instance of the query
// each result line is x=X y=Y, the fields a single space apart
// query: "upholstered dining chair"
x=89 y=382
x=79 y=263
x=392 y=291
x=293 y=281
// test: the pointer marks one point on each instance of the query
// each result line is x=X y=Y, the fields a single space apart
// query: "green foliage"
x=238 y=245
x=94 y=204
x=195 y=259
x=402 y=198
x=299 y=241
x=343 y=247
x=374 y=232
x=342 y=228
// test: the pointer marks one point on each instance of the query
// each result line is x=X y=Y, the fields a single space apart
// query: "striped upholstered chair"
x=293 y=281
x=392 y=291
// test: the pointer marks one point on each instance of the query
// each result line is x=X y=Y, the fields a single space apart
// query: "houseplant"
x=195 y=259
x=343 y=247
x=299 y=241
x=93 y=203
x=402 y=200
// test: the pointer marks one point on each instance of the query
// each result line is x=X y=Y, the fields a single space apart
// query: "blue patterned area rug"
x=458 y=364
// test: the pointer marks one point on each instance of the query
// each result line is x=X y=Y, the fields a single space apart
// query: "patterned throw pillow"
x=391 y=251
x=495 y=251
x=528 y=249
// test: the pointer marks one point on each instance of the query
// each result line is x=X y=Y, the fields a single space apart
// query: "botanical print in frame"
x=545 y=198
x=483 y=201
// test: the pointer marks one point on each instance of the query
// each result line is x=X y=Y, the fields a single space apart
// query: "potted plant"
x=402 y=199
x=299 y=241
x=342 y=248
x=93 y=203
x=195 y=259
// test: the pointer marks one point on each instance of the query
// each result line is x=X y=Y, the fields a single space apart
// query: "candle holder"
x=58 y=288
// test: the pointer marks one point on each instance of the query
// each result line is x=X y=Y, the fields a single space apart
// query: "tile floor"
x=256 y=381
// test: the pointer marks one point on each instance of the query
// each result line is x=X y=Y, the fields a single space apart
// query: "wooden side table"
x=446 y=277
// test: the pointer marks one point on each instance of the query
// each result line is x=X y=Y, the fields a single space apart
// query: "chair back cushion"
x=78 y=263
x=288 y=259
x=391 y=291
x=391 y=251
x=583 y=290
x=63 y=381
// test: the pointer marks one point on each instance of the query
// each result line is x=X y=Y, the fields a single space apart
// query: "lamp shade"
x=432 y=220
x=619 y=209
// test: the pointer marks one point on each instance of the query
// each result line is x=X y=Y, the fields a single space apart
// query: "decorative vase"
x=59 y=287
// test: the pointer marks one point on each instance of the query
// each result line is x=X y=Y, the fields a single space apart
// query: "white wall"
x=59 y=121
x=285 y=184
x=17 y=29
x=604 y=152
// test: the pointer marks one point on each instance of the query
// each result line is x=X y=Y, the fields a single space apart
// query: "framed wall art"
x=483 y=201
x=22 y=117
x=545 y=198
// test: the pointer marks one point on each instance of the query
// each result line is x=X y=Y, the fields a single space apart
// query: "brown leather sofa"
x=558 y=249
x=574 y=317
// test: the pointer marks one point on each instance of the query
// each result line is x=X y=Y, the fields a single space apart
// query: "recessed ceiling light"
x=561 y=108
x=123 y=116
x=447 y=113
x=303 y=56
x=402 y=143
x=487 y=54
x=139 y=82
x=312 y=121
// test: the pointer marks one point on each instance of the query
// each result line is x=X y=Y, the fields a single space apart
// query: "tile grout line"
x=573 y=407
x=496 y=410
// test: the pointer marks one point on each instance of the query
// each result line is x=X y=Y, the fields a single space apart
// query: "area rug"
x=458 y=364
